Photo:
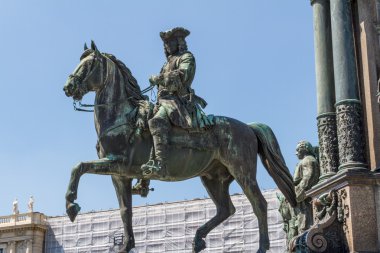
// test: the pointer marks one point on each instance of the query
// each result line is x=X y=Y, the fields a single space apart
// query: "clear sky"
x=255 y=62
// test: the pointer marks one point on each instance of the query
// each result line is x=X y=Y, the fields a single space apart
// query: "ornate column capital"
x=11 y=244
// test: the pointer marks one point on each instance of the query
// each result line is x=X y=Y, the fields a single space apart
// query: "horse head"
x=86 y=76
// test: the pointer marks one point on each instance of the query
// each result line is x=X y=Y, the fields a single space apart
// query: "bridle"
x=82 y=89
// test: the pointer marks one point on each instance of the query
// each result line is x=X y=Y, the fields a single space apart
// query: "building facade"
x=166 y=227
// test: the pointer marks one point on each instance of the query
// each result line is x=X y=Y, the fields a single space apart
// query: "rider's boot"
x=157 y=166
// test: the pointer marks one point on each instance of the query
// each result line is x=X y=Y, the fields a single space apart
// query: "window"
x=2 y=251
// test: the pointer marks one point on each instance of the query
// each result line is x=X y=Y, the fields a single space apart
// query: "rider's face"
x=171 y=46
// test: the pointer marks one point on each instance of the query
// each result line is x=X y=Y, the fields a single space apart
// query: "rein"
x=78 y=106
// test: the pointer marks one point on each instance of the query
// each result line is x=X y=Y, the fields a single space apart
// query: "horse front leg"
x=217 y=188
x=123 y=187
x=102 y=166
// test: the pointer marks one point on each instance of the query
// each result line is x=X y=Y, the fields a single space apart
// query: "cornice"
x=345 y=178
x=21 y=228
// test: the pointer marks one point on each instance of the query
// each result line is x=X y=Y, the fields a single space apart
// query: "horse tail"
x=271 y=157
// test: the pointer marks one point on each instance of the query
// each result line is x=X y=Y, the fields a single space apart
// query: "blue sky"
x=255 y=62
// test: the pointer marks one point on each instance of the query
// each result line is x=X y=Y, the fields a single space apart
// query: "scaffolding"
x=168 y=227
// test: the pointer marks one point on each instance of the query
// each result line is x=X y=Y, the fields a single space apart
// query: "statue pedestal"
x=358 y=209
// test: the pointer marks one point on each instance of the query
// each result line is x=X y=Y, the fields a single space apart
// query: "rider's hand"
x=153 y=80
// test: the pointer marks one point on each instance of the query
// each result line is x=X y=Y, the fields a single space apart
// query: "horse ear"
x=93 y=46
x=97 y=53
x=85 y=46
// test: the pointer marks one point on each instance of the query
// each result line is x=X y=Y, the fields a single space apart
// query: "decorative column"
x=12 y=247
x=348 y=105
x=29 y=246
x=327 y=131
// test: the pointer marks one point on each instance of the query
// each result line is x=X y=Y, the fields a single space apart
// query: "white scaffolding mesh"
x=168 y=227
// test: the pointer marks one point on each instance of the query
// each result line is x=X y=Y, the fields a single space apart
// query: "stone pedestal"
x=358 y=193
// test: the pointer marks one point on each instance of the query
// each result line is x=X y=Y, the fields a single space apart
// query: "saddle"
x=143 y=114
x=178 y=137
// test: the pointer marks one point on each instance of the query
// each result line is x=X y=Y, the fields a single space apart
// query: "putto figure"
x=177 y=104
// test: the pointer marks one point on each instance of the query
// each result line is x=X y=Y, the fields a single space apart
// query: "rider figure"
x=177 y=105
x=174 y=96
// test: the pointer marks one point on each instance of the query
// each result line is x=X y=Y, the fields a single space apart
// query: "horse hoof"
x=199 y=245
x=127 y=248
x=72 y=211
x=261 y=251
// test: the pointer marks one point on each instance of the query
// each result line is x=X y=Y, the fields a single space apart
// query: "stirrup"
x=143 y=191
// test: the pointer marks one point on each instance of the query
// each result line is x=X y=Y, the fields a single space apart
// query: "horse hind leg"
x=217 y=188
x=247 y=182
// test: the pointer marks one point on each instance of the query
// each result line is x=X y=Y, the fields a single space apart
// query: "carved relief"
x=328 y=144
x=350 y=133
x=343 y=209
x=326 y=235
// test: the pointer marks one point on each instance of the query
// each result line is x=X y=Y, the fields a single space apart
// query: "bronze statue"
x=306 y=175
x=219 y=153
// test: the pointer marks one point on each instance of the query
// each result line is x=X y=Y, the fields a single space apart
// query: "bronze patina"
x=185 y=143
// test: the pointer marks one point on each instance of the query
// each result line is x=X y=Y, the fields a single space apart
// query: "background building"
x=166 y=227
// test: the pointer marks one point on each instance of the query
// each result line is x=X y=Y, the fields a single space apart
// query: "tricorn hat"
x=174 y=33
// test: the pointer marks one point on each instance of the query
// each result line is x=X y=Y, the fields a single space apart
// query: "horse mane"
x=133 y=89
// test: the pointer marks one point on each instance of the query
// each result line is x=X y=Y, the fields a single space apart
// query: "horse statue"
x=219 y=155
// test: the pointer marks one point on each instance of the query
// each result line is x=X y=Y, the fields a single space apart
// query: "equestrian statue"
x=172 y=140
